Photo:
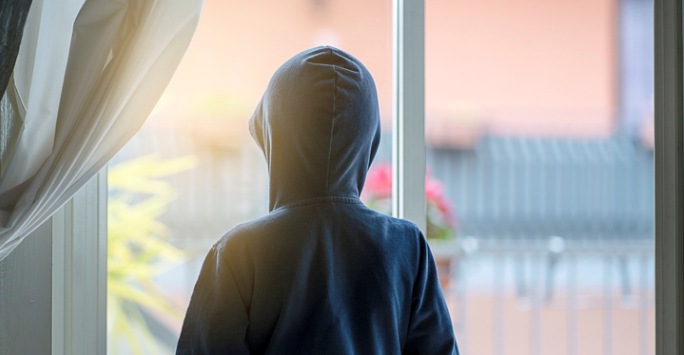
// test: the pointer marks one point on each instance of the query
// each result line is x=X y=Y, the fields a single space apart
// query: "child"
x=321 y=273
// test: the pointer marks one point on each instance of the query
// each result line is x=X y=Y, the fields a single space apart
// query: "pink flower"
x=378 y=187
x=379 y=181
x=433 y=189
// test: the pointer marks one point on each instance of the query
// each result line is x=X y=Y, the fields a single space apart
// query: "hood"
x=318 y=125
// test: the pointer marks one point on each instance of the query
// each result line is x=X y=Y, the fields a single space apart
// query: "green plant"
x=138 y=247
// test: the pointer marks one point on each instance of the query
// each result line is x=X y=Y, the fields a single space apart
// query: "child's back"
x=321 y=273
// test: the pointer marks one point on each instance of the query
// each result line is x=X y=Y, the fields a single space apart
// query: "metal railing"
x=569 y=278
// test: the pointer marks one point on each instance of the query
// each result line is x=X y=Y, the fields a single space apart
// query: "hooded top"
x=321 y=273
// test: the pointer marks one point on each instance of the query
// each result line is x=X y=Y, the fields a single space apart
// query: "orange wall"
x=546 y=64
x=239 y=44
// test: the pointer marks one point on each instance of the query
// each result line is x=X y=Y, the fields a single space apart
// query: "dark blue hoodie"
x=321 y=273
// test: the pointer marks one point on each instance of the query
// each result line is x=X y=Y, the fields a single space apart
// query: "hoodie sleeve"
x=216 y=320
x=430 y=328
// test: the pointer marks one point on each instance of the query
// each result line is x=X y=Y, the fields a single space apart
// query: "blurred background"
x=539 y=126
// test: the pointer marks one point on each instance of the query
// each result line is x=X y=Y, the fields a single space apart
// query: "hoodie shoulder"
x=396 y=224
x=407 y=225
x=397 y=231
x=249 y=232
x=250 y=237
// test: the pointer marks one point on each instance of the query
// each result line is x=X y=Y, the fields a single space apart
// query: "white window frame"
x=669 y=178
x=79 y=272
x=408 y=116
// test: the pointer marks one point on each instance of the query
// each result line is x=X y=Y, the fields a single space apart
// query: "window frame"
x=669 y=178
x=79 y=271
x=408 y=115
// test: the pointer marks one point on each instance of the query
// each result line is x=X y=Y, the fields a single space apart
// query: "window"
x=534 y=121
x=538 y=123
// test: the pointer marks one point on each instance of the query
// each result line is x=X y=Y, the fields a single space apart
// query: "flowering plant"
x=377 y=194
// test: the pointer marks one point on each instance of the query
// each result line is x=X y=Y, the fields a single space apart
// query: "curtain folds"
x=87 y=76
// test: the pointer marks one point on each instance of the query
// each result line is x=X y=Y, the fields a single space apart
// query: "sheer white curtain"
x=87 y=76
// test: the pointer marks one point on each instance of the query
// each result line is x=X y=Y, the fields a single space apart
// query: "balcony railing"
x=591 y=297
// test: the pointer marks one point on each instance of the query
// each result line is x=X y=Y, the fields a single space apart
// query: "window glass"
x=539 y=127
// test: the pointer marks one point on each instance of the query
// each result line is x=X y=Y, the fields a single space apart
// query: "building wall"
x=521 y=66
x=533 y=67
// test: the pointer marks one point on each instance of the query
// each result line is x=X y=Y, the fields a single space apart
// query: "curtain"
x=13 y=15
x=87 y=76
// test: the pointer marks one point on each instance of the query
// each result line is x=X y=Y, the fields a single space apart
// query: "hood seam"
x=321 y=200
x=332 y=121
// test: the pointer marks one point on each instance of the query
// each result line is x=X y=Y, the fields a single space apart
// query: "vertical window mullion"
x=79 y=272
x=408 y=119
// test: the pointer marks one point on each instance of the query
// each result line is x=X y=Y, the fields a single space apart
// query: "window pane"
x=206 y=174
x=539 y=126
